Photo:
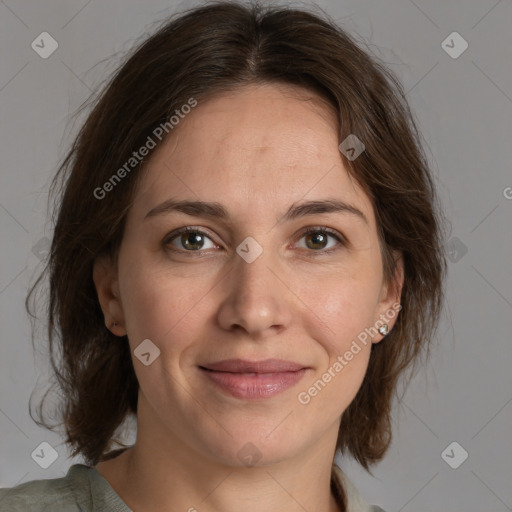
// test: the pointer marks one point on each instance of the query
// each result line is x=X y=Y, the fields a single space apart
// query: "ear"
x=105 y=279
x=389 y=301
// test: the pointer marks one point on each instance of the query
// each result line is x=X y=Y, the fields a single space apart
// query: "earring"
x=114 y=324
x=383 y=329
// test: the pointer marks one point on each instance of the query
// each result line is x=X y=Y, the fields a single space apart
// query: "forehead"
x=258 y=148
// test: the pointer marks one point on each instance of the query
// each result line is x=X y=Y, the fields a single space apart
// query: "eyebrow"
x=216 y=210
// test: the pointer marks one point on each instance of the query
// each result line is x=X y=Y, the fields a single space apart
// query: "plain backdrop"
x=462 y=101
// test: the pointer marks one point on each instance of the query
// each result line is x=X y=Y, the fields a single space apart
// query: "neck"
x=162 y=473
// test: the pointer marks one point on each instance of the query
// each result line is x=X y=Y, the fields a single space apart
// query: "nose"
x=257 y=298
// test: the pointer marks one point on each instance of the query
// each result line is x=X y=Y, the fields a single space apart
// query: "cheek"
x=343 y=307
x=342 y=311
x=157 y=305
x=344 y=303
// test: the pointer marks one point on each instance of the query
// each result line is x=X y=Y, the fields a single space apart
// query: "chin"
x=253 y=450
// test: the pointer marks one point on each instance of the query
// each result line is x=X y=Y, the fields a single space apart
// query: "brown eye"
x=317 y=239
x=189 y=240
x=193 y=240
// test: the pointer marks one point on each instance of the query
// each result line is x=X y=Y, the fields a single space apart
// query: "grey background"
x=464 y=110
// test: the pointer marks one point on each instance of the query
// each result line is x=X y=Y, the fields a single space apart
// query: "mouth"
x=253 y=380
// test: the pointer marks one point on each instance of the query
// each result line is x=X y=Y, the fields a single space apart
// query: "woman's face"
x=250 y=285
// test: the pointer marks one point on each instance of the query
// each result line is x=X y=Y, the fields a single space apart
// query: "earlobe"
x=107 y=288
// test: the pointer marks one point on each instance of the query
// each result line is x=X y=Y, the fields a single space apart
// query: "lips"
x=252 y=380
x=264 y=366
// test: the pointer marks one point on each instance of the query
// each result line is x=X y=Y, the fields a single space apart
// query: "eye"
x=192 y=240
x=317 y=239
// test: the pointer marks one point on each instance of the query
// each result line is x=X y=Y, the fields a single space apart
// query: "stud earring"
x=383 y=329
x=114 y=324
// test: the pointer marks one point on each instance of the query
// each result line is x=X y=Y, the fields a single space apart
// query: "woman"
x=246 y=258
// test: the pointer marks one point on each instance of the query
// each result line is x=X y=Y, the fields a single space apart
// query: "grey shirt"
x=83 y=489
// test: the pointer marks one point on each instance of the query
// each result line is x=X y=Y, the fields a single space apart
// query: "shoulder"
x=66 y=494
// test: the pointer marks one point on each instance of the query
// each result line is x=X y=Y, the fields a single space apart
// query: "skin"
x=256 y=150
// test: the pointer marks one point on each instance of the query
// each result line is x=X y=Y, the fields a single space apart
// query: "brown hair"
x=218 y=47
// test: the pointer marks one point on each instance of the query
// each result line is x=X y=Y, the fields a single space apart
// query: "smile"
x=253 y=380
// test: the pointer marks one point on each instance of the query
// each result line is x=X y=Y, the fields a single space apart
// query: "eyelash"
x=315 y=229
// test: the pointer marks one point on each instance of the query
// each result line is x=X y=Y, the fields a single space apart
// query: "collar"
x=104 y=494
